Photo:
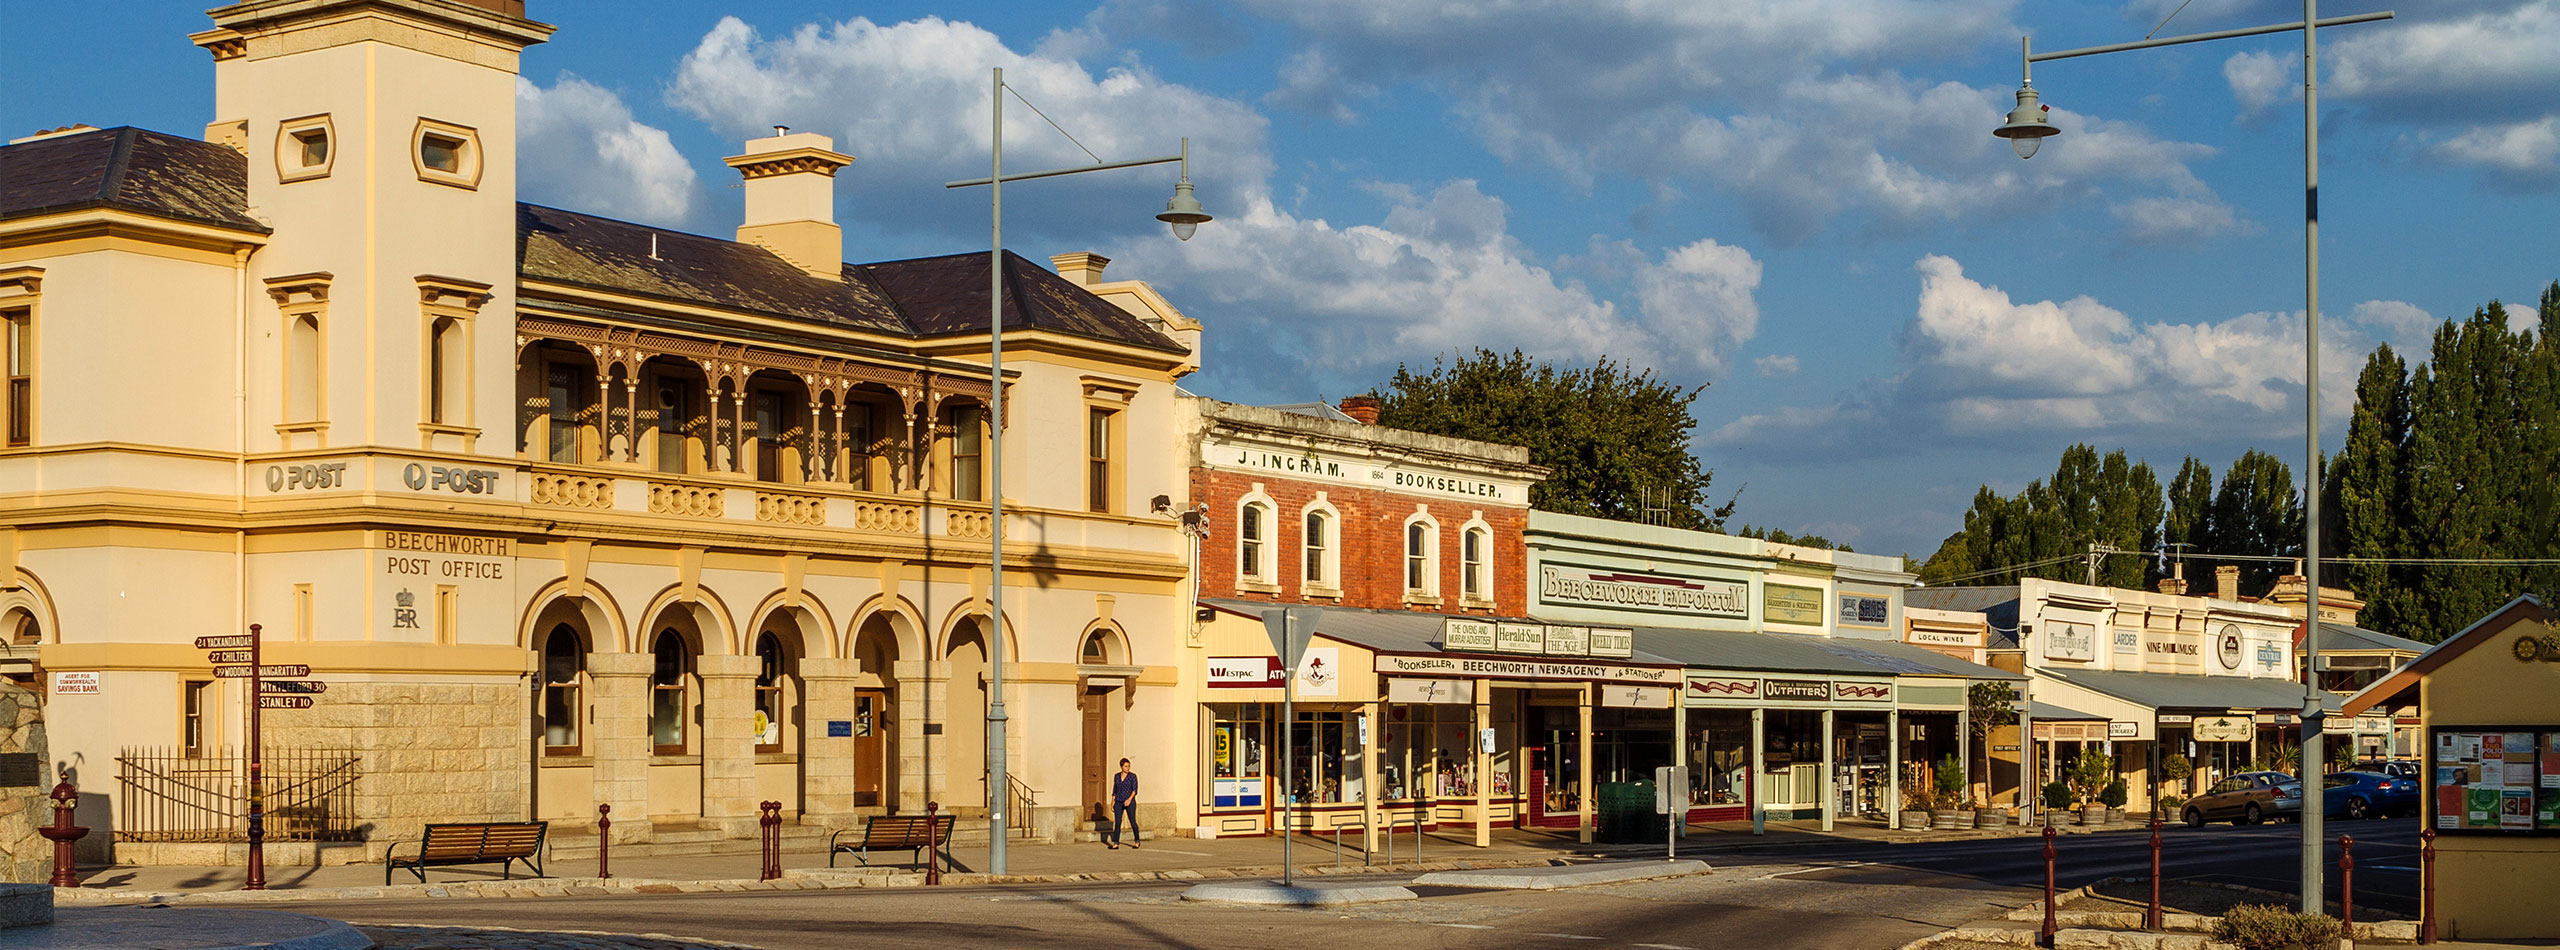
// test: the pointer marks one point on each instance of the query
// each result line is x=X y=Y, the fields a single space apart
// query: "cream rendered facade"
x=555 y=543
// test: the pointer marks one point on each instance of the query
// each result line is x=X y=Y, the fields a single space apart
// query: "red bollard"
x=62 y=833
x=2427 y=886
x=604 y=842
x=2152 y=922
x=2044 y=938
x=770 y=818
x=2347 y=883
x=932 y=844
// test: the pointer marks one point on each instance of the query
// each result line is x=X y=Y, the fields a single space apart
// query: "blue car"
x=2368 y=795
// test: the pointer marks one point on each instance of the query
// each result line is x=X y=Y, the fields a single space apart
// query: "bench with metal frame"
x=890 y=833
x=486 y=842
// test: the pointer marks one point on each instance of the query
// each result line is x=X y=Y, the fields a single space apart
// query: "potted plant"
x=2057 y=803
x=2114 y=797
x=1990 y=816
x=2090 y=773
x=1954 y=806
x=2177 y=768
x=1917 y=799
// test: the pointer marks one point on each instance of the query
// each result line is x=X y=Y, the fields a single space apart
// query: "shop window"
x=1237 y=768
x=1321 y=770
x=772 y=673
x=1719 y=757
x=564 y=664
x=196 y=701
x=1429 y=750
x=669 y=682
x=18 y=328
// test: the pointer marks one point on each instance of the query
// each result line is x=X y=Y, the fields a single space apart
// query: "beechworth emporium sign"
x=1320 y=467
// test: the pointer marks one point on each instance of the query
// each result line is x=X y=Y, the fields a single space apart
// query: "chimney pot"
x=2173 y=585
x=1363 y=408
x=1081 y=268
x=2226 y=581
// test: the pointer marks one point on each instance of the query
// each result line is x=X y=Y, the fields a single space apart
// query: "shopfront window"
x=563 y=660
x=669 y=679
x=1237 y=734
x=1428 y=750
x=772 y=669
x=1719 y=756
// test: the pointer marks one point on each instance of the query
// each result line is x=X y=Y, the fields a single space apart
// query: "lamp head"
x=1183 y=211
x=2027 y=124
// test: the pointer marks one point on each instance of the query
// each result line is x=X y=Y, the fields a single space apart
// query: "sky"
x=1797 y=205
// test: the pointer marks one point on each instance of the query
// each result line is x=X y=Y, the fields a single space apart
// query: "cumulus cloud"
x=1312 y=84
x=582 y=149
x=2174 y=220
x=2522 y=156
x=1785 y=365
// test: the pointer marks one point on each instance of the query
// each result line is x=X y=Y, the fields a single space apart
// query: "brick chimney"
x=791 y=199
x=2173 y=585
x=1364 y=409
x=1081 y=268
x=2226 y=581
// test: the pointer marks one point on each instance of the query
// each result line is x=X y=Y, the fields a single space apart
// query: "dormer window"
x=305 y=148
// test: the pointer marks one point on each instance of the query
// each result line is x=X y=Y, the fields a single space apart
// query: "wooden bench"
x=891 y=833
x=503 y=842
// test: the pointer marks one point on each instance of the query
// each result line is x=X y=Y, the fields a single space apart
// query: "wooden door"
x=871 y=731
x=1097 y=754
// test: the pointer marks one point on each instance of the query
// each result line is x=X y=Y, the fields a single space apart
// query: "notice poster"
x=2551 y=760
x=2546 y=809
x=2515 y=809
x=2448 y=748
x=2480 y=809
x=2450 y=799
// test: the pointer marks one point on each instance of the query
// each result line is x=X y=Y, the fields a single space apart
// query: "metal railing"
x=168 y=795
x=1022 y=798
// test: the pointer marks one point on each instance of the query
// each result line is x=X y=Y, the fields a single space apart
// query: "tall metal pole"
x=257 y=785
x=999 y=790
x=1289 y=757
x=2312 y=799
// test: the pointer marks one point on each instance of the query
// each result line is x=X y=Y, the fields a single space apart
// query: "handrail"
x=1024 y=799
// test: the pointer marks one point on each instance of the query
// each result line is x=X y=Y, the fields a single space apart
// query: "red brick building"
x=1318 y=506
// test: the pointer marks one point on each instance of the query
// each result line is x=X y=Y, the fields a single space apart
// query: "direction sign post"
x=254 y=671
x=227 y=643
x=257 y=787
x=226 y=657
x=284 y=702
x=272 y=687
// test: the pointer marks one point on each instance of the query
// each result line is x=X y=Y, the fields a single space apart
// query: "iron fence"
x=170 y=795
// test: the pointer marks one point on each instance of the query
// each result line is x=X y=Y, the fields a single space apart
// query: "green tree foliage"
x=2090 y=499
x=2256 y=512
x=2189 y=524
x=2366 y=487
x=1780 y=536
x=1610 y=436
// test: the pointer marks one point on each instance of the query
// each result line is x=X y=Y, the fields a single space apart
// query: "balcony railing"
x=572 y=491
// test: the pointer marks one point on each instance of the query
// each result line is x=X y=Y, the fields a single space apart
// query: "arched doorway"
x=673 y=712
x=963 y=752
x=562 y=638
x=875 y=713
x=779 y=724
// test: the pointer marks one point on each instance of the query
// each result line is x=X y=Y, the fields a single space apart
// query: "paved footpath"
x=396 y=937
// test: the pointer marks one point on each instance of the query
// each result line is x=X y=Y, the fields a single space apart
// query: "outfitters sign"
x=1568 y=585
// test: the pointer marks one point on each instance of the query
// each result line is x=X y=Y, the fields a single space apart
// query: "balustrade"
x=689 y=500
x=572 y=491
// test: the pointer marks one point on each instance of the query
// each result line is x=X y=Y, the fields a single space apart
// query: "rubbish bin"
x=1625 y=814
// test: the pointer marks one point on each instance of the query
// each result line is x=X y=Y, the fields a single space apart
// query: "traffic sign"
x=284 y=702
x=228 y=656
x=236 y=642
x=271 y=669
x=293 y=686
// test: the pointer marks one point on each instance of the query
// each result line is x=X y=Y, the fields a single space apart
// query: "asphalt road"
x=1829 y=896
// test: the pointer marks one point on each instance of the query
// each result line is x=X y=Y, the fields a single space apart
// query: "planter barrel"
x=1990 y=818
x=1915 y=821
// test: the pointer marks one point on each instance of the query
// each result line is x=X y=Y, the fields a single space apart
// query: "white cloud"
x=2521 y=155
x=582 y=149
x=1312 y=84
x=2173 y=220
x=2398 y=322
x=1785 y=365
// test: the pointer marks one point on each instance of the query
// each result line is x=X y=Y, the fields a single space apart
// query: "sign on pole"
x=1671 y=797
x=271 y=669
x=1290 y=628
x=219 y=657
x=293 y=686
x=234 y=642
x=284 y=702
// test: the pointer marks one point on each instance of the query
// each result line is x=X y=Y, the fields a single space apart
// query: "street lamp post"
x=1183 y=212
x=2025 y=129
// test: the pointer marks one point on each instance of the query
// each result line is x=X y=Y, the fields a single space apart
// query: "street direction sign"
x=293 y=686
x=228 y=656
x=271 y=669
x=284 y=702
x=237 y=642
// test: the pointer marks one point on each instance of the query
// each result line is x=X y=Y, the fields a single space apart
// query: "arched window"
x=564 y=660
x=668 y=683
x=1319 y=545
x=1097 y=649
x=1476 y=547
x=1253 y=542
x=773 y=669
x=1421 y=556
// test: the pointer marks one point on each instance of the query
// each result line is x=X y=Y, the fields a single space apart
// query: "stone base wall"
x=433 y=752
x=25 y=857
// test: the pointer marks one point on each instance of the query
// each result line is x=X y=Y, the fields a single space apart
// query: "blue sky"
x=1797 y=203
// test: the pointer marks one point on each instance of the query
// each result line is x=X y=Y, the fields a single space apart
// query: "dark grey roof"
x=2338 y=636
x=1801 y=653
x=1997 y=604
x=137 y=170
x=2192 y=691
x=1396 y=631
x=2047 y=712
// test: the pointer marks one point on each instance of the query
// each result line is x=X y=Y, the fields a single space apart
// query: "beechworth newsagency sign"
x=1316 y=466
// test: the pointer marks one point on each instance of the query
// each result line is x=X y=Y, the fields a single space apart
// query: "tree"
x=1780 y=536
x=2046 y=529
x=2189 y=522
x=2369 y=492
x=1610 y=437
x=1991 y=707
x=2256 y=513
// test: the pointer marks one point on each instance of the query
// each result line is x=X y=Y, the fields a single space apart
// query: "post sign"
x=229 y=656
x=83 y=683
x=1670 y=788
x=223 y=643
x=293 y=686
x=271 y=669
x=1568 y=641
x=284 y=702
x=1618 y=642
x=1520 y=637
x=1244 y=672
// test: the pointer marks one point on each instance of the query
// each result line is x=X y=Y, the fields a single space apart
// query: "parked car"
x=2396 y=768
x=2368 y=795
x=2247 y=799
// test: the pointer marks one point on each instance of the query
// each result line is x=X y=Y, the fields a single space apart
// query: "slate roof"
x=137 y=170
x=185 y=179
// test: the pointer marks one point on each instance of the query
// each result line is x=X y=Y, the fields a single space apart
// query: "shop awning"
x=1799 y=653
x=2176 y=691
x=1403 y=631
x=2048 y=712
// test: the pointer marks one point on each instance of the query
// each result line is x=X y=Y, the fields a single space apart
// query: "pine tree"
x=2370 y=493
x=2189 y=522
x=2256 y=515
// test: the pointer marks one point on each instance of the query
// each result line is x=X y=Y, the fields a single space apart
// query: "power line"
x=2014 y=568
x=2450 y=561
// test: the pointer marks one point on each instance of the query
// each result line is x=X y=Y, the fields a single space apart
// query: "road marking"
x=1664 y=946
x=1565 y=936
x=1826 y=867
x=1196 y=854
x=1470 y=926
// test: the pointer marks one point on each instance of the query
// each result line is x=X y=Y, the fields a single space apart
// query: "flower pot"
x=2057 y=818
x=1951 y=819
x=1990 y=818
x=2115 y=815
x=2093 y=815
x=1915 y=821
